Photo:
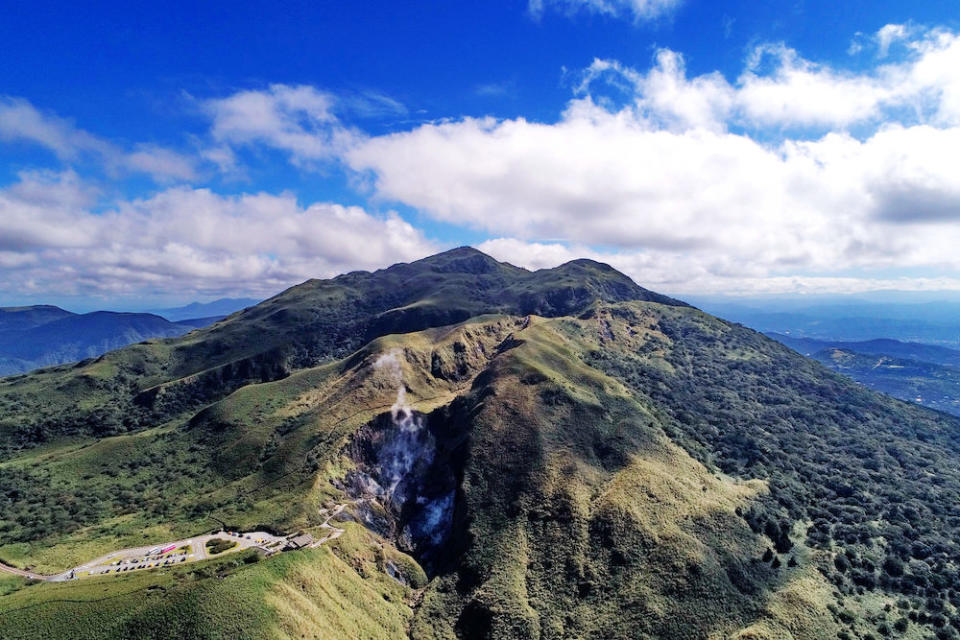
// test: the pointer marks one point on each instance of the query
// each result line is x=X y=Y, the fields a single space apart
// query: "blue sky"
x=157 y=154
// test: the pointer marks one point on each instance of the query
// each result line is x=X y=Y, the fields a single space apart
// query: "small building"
x=299 y=542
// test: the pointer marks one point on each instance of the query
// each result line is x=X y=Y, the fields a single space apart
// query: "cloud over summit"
x=789 y=174
x=794 y=165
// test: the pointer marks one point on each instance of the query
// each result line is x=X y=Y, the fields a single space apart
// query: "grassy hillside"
x=307 y=325
x=316 y=594
x=575 y=457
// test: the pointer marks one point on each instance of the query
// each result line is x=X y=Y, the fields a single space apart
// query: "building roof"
x=300 y=541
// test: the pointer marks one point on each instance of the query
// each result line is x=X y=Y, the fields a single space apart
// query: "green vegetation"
x=931 y=385
x=231 y=599
x=219 y=545
x=620 y=466
x=872 y=481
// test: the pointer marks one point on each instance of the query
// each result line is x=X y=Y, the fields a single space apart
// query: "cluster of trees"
x=32 y=507
x=877 y=478
x=158 y=482
x=219 y=545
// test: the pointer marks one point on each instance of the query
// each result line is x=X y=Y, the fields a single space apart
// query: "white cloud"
x=184 y=240
x=637 y=9
x=800 y=93
x=688 y=183
x=21 y=122
x=889 y=34
x=157 y=161
x=780 y=90
x=678 y=276
x=697 y=181
x=299 y=120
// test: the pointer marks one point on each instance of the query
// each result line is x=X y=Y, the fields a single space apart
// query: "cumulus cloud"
x=184 y=240
x=677 y=275
x=795 y=167
x=889 y=34
x=688 y=183
x=779 y=89
x=637 y=9
x=21 y=122
x=299 y=120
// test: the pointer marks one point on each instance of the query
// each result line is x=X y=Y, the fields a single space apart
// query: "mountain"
x=218 y=308
x=926 y=374
x=32 y=337
x=928 y=323
x=931 y=385
x=884 y=347
x=21 y=318
x=485 y=452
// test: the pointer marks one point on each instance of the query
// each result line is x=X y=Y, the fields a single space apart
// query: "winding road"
x=137 y=558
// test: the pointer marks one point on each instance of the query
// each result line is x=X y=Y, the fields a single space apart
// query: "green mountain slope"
x=512 y=454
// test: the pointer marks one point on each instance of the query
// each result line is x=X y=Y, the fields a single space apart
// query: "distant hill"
x=887 y=347
x=926 y=323
x=20 y=318
x=32 y=337
x=924 y=374
x=927 y=384
x=218 y=309
x=196 y=323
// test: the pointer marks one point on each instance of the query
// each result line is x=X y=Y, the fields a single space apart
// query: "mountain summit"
x=473 y=450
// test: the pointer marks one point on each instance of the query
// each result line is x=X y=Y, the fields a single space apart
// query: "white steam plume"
x=399 y=454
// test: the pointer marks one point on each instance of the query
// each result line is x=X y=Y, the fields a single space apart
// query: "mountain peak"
x=462 y=260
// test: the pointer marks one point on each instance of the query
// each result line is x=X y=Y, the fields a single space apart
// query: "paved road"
x=19 y=572
x=140 y=558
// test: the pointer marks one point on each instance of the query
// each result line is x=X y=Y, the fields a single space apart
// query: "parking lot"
x=175 y=553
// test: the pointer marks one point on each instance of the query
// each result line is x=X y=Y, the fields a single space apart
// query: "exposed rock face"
x=404 y=483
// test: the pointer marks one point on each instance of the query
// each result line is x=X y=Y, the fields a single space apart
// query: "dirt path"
x=23 y=574
x=335 y=532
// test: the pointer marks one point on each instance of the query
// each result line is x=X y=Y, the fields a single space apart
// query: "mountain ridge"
x=221 y=307
x=46 y=335
x=509 y=454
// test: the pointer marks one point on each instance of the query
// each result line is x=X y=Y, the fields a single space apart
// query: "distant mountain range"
x=930 y=323
x=218 y=308
x=44 y=335
x=886 y=347
x=920 y=373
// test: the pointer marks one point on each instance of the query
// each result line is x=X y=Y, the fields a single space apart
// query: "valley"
x=927 y=375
